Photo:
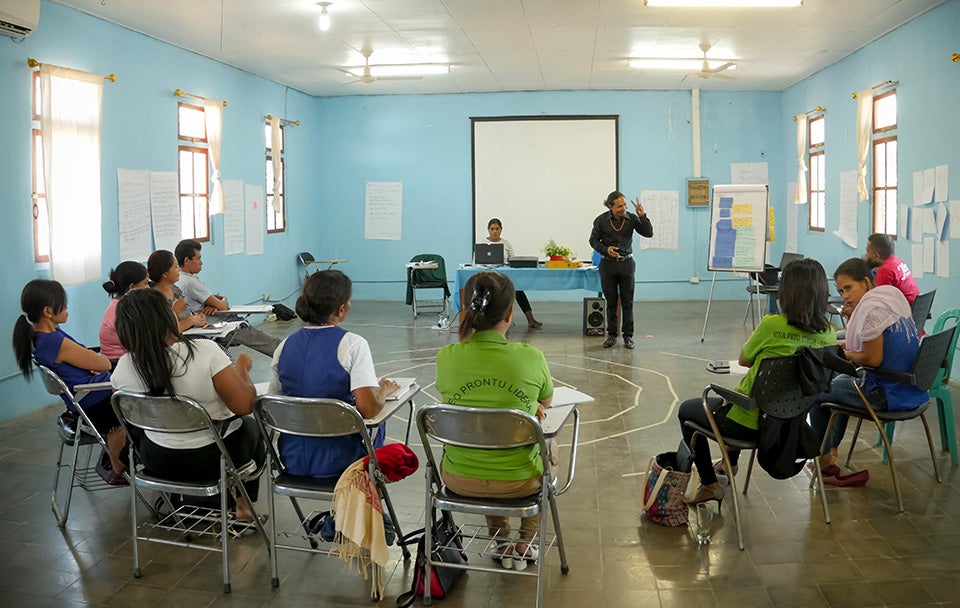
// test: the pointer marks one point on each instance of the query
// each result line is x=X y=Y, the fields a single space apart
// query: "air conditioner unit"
x=19 y=17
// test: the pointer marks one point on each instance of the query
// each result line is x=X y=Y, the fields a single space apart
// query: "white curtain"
x=213 y=116
x=864 y=129
x=275 y=145
x=71 y=112
x=801 y=196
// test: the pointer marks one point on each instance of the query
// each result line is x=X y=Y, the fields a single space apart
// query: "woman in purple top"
x=37 y=336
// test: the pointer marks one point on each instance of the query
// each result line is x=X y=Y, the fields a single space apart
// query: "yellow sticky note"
x=742 y=209
x=742 y=221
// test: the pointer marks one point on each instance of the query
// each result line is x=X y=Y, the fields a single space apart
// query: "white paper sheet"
x=749 y=173
x=916 y=260
x=929 y=220
x=955 y=219
x=793 y=211
x=383 y=210
x=663 y=209
x=929 y=253
x=254 y=218
x=848 y=209
x=165 y=209
x=917 y=187
x=929 y=183
x=902 y=219
x=133 y=197
x=941 y=183
x=942 y=233
x=916 y=225
x=232 y=216
x=943 y=259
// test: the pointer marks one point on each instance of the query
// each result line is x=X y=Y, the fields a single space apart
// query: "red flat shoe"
x=831 y=471
x=860 y=478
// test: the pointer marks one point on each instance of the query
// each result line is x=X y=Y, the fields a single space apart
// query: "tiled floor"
x=869 y=556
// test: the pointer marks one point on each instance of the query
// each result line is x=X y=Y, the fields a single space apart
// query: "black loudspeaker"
x=594 y=316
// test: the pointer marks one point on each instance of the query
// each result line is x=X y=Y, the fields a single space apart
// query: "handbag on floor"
x=448 y=548
x=667 y=477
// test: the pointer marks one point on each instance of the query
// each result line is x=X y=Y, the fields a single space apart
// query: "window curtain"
x=71 y=113
x=801 y=196
x=864 y=128
x=213 y=116
x=275 y=146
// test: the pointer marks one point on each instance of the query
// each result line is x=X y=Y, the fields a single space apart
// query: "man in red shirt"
x=890 y=270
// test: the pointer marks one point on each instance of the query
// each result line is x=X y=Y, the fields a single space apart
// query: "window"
x=38 y=201
x=817 y=186
x=276 y=220
x=885 y=163
x=193 y=170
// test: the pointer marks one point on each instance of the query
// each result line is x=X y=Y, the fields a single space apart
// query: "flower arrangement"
x=556 y=251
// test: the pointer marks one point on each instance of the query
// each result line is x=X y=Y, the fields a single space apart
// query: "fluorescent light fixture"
x=662 y=63
x=404 y=69
x=323 y=22
x=726 y=3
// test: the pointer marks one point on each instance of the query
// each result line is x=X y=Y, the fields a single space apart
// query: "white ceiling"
x=510 y=45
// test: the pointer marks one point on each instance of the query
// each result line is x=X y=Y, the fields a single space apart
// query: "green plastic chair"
x=941 y=391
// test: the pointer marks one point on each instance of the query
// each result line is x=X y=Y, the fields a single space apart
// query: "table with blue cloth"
x=534 y=279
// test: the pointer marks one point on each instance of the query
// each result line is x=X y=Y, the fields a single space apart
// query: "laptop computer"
x=488 y=254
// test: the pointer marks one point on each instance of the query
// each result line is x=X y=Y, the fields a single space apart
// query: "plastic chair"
x=776 y=393
x=306 y=260
x=926 y=370
x=310 y=418
x=175 y=416
x=492 y=429
x=76 y=434
x=921 y=309
x=428 y=278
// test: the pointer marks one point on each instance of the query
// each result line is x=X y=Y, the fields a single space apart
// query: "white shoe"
x=530 y=556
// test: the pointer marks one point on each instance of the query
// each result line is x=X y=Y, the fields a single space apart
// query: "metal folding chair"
x=310 y=418
x=428 y=278
x=492 y=429
x=175 y=416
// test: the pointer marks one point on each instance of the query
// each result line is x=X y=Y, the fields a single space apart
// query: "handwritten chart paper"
x=133 y=194
x=165 y=209
x=232 y=216
x=383 y=209
x=749 y=173
x=848 y=209
x=738 y=228
x=255 y=219
x=663 y=209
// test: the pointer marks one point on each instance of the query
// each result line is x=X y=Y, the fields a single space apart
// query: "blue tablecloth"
x=535 y=279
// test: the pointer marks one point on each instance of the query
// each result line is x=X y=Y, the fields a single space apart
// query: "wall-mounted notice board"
x=738 y=228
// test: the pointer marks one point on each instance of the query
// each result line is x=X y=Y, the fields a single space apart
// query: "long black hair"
x=145 y=322
x=803 y=295
x=159 y=262
x=123 y=276
x=487 y=297
x=323 y=294
x=36 y=295
x=855 y=268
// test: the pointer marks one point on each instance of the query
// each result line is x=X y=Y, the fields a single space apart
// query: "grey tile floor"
x=869 y=556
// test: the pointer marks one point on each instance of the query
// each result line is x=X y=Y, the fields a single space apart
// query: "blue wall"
x=424 y=141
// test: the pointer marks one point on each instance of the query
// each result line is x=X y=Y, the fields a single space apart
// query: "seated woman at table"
x=164 y=273
x=159 y=361
x=803 y=300
x=123 y=278
x=323 y=360
x=37 y=336
x=880 y=333
x=520 y=380
x=494 y=229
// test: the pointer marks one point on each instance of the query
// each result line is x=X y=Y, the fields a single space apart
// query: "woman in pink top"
x=123 y=278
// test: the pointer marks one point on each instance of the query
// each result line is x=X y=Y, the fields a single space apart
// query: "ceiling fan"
x=366 y=77
x=707 y=72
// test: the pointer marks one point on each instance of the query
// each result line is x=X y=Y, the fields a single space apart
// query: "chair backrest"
x=951 y=315
x=55 y=385
x=163 y=414
x=308 y=417
x=305 y=257
x=931 y=358
x=776 y=388
x=429 y=275
x=921 y=309
x=768 y=277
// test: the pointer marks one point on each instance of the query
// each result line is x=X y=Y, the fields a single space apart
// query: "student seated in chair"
x=164 y=273
x=323 y=360
x=888 y=269
x=123 y=278
x=803 y=300
x=37 y=335
x=160 y=361
x=200 y=299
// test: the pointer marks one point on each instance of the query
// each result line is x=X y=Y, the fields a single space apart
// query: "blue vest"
x=900 y=349
x=308 y=367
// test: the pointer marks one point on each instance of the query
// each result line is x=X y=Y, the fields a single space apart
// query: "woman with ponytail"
x=37 y=336
x=487 y=370
x=123 y=278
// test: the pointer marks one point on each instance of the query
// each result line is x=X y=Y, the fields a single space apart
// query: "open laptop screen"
x=488 y=254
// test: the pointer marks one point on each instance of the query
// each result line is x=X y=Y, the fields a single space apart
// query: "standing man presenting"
x=612 y=238
x=888 y=268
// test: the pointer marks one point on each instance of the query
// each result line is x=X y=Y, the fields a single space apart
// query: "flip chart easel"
x=738 y=233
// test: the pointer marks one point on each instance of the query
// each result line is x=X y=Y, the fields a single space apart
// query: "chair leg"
x=542 y=547
x=893 y=469
x=818 y=478
x=385 y=497
x=564 y=566
x=746 y=483
x=853 y=442
x=933 y=453
x=890 y=427
x=61 y=520
x=225 y=559
x=62 y=516
x=133 y=515
x=733 y=492
x=428 y=536
x=948 y=429
x=272 y=510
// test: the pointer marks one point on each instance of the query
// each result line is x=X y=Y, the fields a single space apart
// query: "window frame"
x=883 y=136
x=818 y=203
x=36 y=198
x=268 y=184
x=193 y=145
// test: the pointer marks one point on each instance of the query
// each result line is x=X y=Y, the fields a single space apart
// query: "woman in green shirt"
x=487 y=370
x=803 y=299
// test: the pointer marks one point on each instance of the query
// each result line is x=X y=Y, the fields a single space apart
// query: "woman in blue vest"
x=323 y=360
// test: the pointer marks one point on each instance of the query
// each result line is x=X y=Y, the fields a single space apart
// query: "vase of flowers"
x=557 y=252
